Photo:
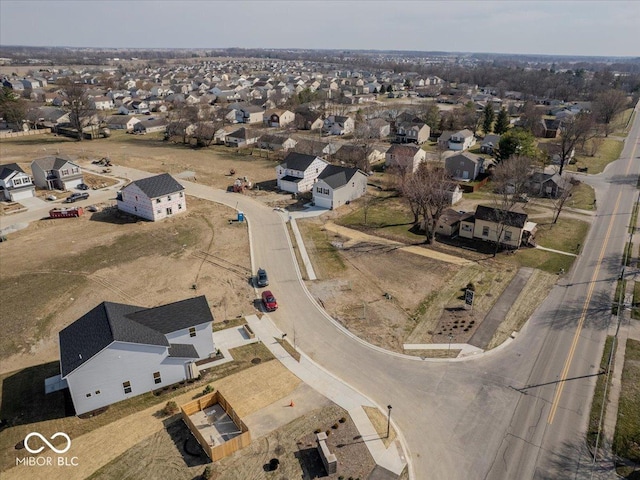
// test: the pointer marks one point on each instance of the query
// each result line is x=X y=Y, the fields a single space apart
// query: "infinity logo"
x=55 y=435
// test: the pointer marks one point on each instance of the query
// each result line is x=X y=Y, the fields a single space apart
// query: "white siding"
x=118 y=363
x=135 y=202
x=202 y=341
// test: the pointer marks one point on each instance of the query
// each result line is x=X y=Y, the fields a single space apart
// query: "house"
x=547 y=185
x=241 y=137
x=337 y=186
x=276 y=142
x=379 y=127
x=490 y=143
x=56 y=173
x=150 y=125
x=15 y=185
x=102 y=103
x=449 y=222
x=299 y=172
x=443 y=139
x=120 y=122
x=277 y=117
x=133 y=107
x=249 y=114
x=51 y=116
x=464 y=166
x=412 y=133
x=338 y=125
x=316 y=147
x=549 y=128
x=309 y=121
x=404 y=157
x=512 y=226
x=117 y=351
x=462 y=140
x=553 y=152
x=153 y=198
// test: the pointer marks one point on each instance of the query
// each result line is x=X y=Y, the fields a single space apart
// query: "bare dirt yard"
x=56 y=270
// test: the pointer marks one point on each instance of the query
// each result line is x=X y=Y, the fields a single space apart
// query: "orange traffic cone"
x=291 y=404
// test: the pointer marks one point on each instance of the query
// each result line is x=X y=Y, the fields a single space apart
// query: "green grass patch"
x=289 y=348
x=566 y=235
x=608 y=152
x=635 y=308
x=621 y=286
x=582 y=197
x=326 y=259
x=296 y=251
x=634 y=218
x=626 y=440
x=628 y=257
x=547 y=261
x=621 y=121
x=595 y=416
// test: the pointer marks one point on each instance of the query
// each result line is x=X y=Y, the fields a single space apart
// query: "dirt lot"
x=56 y=270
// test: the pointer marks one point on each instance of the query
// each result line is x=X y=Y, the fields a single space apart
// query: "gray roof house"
x=153 y=198
x=337 y=186
x=464 y=166
x=117 y=351
x=490 y=143
x=15 y=184
x=547 y=185
x=299 y=172
x=56 y=173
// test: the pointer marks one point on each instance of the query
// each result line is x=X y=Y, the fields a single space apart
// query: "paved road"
x=471 y=418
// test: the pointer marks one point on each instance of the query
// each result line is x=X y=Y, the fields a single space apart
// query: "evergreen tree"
x=502 y=122
x=488 y=118
x=516 y=141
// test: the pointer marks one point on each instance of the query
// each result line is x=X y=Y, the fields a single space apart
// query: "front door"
x=169 y=211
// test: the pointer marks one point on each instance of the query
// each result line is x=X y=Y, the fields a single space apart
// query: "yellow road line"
x=574 y=344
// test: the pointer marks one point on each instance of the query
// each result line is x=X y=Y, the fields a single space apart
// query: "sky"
x=599 y=28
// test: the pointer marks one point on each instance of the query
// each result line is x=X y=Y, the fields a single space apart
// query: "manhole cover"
x=256 y=361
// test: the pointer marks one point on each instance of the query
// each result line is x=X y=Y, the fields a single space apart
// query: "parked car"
x=51 y=198
x=74 y=197
x=262 y=280
x=269 y=301
x=83 y=186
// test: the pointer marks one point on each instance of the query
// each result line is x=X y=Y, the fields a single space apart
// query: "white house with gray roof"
x=15 y=184
x=56 y=173
x=153 y=198
x=337 y=186
x=118 y=351
x=299 y=172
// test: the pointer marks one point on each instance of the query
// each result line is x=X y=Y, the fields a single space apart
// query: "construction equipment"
x=241 y=184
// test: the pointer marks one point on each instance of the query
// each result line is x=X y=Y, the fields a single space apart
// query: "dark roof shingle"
x=158 y=185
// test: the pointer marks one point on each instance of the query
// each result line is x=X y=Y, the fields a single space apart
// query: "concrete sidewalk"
x=392 y=458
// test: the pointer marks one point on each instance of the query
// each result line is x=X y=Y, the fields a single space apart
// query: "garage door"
x=71 y=184
x=322 y=202
x=21 y=195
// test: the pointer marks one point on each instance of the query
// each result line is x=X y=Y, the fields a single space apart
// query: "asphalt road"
x=507 y=414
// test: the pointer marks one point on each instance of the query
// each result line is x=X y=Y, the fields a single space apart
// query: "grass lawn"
x=567 y=235
x=626 y=440
x=24 y=402
x=582 y=197
x=635 y=310
x=598 y=398
x=621 y=121
x=608 y=152
x=621 y=286
x=326 y=258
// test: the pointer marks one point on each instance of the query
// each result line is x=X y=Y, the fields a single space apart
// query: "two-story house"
x=412 y=133
x=117 y=351
x=299 y=172
x=153 y=198
x=404 y=157
x=56 y=173
x=15 y=184
x=277 y=117
x=338 y=125
x=462 y=140
x=464 y=166
x=510 y=228
x=337 y=186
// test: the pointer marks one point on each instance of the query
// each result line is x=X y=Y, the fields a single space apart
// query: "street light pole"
x=450 y=338
x=388 y=420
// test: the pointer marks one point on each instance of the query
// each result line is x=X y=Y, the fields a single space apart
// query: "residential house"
x=404 y=157
x=277 y=117
x=549 y=185
x=56 y=173
x=318 y=148
x=412 y=133
x=153 y=198
x=51 y=116
x=249 y=114
x=549 y=128
x=337 y=186
x=122 y=122
x=134 y=107
x=553 y=152
x=338 y=125
x=276 y=142
x=15 y=184
x=450 y=220
x=299 y=172
x=464 y=166
x=462 y=140
x=241 y=137
x=510 y=227
x=490 y=143
x=117 y=351
x=443 y=139
x=379 y=127
x=102 y=103
x=309 y=120
x=150 y=125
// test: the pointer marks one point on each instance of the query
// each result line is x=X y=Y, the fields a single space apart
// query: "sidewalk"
x=391 y=458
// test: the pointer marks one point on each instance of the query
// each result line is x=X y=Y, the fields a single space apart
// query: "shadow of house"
x=186 y=444
x=311 y=463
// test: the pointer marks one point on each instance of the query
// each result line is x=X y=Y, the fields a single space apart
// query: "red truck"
x=65 y=212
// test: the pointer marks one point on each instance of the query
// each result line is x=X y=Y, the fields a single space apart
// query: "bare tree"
x=531 y=117
x=607 y=105
x=559 y=202
x=80 y=107
x=428 y=192
x=574 y=130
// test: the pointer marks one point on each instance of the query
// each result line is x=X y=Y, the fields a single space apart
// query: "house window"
x=192 y=331
x=64 y=172
x=157 y=200
x=75 y=170
x=158 y=211
x=88 y=395
x=179 y=206
x=156 y=377
x=169 y=211
x=169 y=197
x=135 y=209
x=485 y=231
x=181 y=194
x=127 y=387
x=17 y=181
x=507 y=236
x=97 y=392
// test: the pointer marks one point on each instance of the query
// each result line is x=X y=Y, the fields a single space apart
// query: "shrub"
x=334 y=426
x=317 y=430
x=328 y=432
x=208 y=473
x=342 y=420
x=170 y=408
x=207 y=389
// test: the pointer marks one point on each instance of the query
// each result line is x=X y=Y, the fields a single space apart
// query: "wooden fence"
x=227 y=448
x=25 y=134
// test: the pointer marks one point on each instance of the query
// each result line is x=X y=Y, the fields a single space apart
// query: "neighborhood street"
x=517 y=412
